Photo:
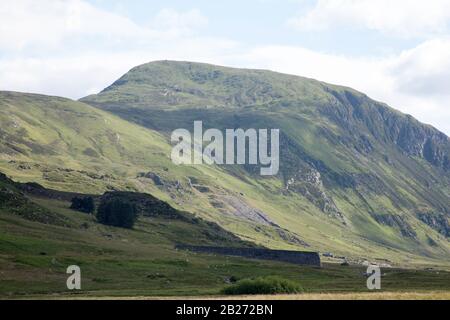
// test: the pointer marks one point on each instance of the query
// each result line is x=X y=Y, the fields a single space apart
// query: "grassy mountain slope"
x=71 y=146
x=51 y=134
x=356 y=176
x=170 y=84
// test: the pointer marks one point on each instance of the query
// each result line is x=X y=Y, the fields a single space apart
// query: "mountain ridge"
x=262 y=70
x=346 y=96
x=348 y=126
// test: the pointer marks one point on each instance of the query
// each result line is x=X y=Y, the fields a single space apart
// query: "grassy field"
x=138 y=263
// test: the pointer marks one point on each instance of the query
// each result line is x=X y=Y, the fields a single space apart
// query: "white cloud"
x=179 y=22
x=425 y=70
x=54 y=24
x=72 y=48
x=406 y=18
x=82 y=73
x=28 y=24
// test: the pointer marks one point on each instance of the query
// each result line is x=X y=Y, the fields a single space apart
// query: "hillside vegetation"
x=143 y=261
x=376 y=173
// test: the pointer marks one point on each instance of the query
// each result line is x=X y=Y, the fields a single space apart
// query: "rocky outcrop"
x=309 y=184
x=157 y=180
x=356 y=111
x=238 y=207
x=395 y=221
x=437 y=221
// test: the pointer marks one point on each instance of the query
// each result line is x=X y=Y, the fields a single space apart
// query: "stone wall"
x=295 y=257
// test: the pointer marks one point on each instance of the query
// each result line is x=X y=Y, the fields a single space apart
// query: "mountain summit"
x=174 y=84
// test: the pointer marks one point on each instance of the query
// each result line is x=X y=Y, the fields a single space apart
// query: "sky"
x=397 y=52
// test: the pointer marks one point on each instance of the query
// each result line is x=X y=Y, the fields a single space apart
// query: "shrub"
x=85 y=204
x=266 y=285
x=117 y=213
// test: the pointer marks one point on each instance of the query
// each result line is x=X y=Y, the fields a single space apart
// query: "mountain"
x=357 y=178
x=373 y=171
x=40 y=236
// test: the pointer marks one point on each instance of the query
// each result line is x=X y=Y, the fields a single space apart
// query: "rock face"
x=295 y=257
x=239 y=208
x=157 y=180
x=408 y=134
x=396 y=222
x=309 y=183
x=437 y=221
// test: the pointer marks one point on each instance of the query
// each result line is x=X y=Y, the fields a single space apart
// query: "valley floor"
x=434 y=295
x=143 y=263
